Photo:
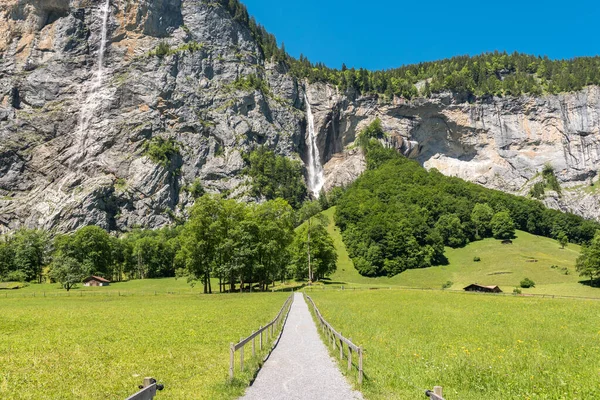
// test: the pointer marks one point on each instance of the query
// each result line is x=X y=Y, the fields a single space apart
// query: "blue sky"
x=381 y=34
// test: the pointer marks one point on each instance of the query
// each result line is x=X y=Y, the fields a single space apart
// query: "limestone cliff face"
x=76 y=111
x=72 y=128
x=501 y=143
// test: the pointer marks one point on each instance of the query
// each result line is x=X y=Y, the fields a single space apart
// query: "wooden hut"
x=480 y=288
x=95 y=281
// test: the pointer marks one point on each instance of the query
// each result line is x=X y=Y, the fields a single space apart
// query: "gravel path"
x=300 y=366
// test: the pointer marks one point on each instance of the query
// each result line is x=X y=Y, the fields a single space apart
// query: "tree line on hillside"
x=495 y=74
x=399 y=216
x=249 y=245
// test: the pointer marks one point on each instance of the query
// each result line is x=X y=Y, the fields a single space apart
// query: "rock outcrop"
x=77 y=111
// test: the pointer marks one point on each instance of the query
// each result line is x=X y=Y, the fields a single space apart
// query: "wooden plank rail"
x=337 y=339
x=268 y=330
x=148 y=390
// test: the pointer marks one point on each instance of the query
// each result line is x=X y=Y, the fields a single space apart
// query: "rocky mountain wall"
x=77 y=113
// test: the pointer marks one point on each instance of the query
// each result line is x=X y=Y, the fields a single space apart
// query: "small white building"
x=95 y=281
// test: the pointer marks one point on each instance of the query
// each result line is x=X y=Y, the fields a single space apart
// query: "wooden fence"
x=271 y=329
x=148 y=390
x=336 y=339
x=436 y=394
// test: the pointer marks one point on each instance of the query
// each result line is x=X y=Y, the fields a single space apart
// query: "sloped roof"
x=96 y=278
x=482 y=286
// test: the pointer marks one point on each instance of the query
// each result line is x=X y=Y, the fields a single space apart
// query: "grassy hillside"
x=503 y=265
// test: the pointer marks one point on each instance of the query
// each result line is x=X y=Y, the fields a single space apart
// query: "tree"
x=323 y=257
x=588 y=263
x=450 y=227
x=276 y=176
x=562 y=239
x=482 y=217
x=30 y=250
x=275 y=234
x=91 y=246
x=67 y=271
x=503 y=226
x=200 y=240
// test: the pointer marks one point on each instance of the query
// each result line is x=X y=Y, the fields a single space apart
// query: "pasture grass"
x=475 y=346
x=102 y=348
x=158 y=286
x=503 y=265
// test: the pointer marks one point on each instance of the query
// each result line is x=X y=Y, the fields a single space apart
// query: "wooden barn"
x=95 y=281
x=480 y=288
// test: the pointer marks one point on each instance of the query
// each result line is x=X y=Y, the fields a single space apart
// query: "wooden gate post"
x=260 y=340
x=437 y=390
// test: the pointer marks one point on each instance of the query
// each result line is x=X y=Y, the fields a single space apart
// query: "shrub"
x=517 y=290
x=162 y=49
x=476 y=259
x=447 y=285
x=16 y=276
x=527 y=283
x=161 y=150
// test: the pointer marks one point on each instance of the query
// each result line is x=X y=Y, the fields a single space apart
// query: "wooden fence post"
x=260 y=340
x=349 y=356
x=360 y=365
x=253 y=345
x=241 y=356
x=341 y=347
x=437 y=390
x=231 y=359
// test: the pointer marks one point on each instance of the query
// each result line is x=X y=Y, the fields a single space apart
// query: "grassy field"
x=475 y=346
x=503 y=265
x=102 y=348
x=159 y=286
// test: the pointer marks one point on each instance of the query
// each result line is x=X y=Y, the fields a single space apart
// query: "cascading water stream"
x=95 y=91
x=314 y=168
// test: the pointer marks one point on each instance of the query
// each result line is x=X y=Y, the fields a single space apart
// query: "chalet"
x=480 y=288
x=95 y=281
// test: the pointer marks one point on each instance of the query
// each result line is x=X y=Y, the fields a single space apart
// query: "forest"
x=399 y=216
x=472 y=77
x=245 y=246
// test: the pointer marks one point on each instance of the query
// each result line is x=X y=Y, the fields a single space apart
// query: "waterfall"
x=314 y=167
x=105 y=13
x=95 y=91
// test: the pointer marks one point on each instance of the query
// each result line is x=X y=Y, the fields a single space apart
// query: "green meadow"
x=94 y=347
x=474 y=346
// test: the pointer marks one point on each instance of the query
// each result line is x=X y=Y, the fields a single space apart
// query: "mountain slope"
x=503 y=265
x=86 y=87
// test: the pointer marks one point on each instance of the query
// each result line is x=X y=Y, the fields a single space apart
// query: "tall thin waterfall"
x=105 y=13
x=95 y=91
x=314 y=167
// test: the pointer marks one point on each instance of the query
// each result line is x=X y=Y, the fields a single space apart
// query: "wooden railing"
x=271 y=329
x=148 y=390
x=336 y=339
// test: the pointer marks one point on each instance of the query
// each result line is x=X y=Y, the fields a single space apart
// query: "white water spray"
x=315 y=169
x=95 y=91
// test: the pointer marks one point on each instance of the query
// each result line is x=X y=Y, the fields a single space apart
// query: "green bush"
x=527 y=283
x=517 y=290
x=161 y=150
x=476 y=259
x=162 y=49
x=447 y=285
